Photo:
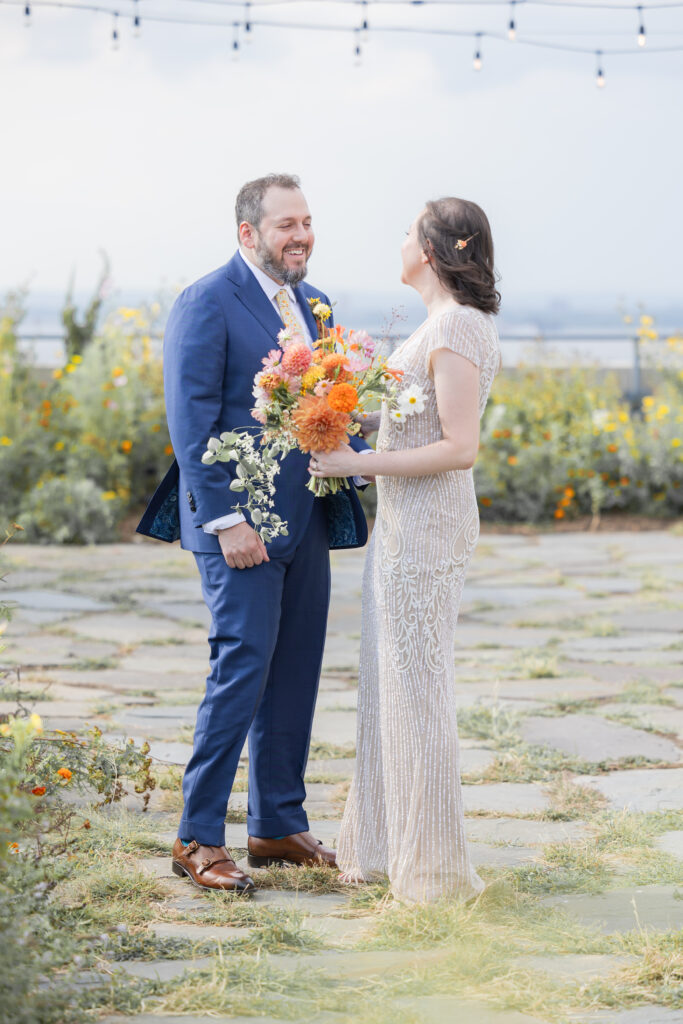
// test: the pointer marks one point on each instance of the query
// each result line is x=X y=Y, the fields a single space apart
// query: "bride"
x=404 y=816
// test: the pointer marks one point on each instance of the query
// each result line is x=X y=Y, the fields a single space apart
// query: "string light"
x=236 y=42
x=476 y=63
x=364 y=28
x=136 y=21
x=358 y=51
x=641 y=28
x=599 y=73
x=247 y=22
x=27 y=16
x=115 y=31
x=512 y=29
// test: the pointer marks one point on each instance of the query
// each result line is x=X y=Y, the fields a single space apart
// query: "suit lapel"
x=306 y=309
x=252 y=296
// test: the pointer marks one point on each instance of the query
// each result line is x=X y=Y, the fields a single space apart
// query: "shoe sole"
x=182 y=872
x=265 y=862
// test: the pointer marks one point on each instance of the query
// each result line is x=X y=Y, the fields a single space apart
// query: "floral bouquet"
x=310 y=399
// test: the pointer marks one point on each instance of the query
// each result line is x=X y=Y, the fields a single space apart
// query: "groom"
x=268 y=606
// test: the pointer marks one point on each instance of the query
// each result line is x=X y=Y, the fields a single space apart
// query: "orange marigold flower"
x=335 y=365
x=46 y=404
x=569 y=492
x=507 y=433
x=612 y=448
x=547 y=435
x=44 y=421
x=118 y=371
x=559 y=513
x=565 y=502
x=126 y=446
x=497 y=433
x=65 y=773
x=512 y=460
x=318 y=427
x=38 y=790
x=168 y=450
x=342 y=397
x=86 y=824
x=625 y=481
x=486 y=502
x=13 y=847
x=296 y=359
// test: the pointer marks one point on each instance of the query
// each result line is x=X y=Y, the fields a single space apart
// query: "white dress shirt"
x=271 y=288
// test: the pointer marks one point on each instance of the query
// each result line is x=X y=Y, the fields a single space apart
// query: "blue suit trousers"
x=266 y=646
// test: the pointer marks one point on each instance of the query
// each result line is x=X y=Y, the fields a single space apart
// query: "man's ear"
x=247 y=235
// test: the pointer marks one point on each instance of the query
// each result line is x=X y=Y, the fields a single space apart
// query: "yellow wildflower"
x=58 y=445
x=623 y=417
x=663 y=411
x=117 y=371
x=57 y=374
x=312 y=376
x=76 y=359
x=648 y=401
x=646 y=321
x=675 y=442
x=69 y=367
x=4 y=729
x=36 y=722
x=5 y=441
x=109 y=495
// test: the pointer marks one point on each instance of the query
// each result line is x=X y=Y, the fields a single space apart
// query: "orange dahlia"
x=318 y=427
x=342 y=397
x=335 y=366
x=268 y=381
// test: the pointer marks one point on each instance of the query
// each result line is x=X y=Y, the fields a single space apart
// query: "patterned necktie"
x=288 y=315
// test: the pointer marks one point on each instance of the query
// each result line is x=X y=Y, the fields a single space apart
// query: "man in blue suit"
x=268 y=606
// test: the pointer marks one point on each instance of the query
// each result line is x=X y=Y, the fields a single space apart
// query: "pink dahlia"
x=296 y=359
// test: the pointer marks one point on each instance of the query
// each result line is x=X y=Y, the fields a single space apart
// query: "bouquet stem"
x=320 y=486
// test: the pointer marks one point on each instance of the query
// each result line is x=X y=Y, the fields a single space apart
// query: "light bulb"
x=600 y=79
x=235 y=50
x=358 y=57
x=641 y=36
x=136 y=26
x=27 y=16
x=477 y=61
x=512 y=31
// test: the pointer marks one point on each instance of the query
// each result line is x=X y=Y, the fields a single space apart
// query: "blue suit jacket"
x=218 y=331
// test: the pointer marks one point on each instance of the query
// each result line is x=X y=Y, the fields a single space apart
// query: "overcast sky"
x=141 y=151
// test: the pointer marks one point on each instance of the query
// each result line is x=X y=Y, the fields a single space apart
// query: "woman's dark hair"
x=466 y=272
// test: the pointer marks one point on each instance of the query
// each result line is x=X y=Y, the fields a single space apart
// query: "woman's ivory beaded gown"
x=404 y=815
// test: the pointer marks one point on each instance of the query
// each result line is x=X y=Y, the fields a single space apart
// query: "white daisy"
x=411 y=400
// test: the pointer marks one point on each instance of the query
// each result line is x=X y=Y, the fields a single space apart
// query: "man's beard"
x=276 y=267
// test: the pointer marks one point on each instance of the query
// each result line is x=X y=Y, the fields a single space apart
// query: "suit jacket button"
x=190 y=498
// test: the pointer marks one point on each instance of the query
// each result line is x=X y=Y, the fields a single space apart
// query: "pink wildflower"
x=362 y=340
x=322 y=387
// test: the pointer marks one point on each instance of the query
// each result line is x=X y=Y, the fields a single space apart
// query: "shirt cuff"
x=360 y=481
x=223 y=522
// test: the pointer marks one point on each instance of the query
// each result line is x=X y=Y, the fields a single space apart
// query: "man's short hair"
x=249 y=202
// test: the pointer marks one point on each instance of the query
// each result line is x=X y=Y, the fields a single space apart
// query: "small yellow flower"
x=646 y=321
x=65 y=773
x=36 y=723
x=648 y=401
x=156 y=427
x=57 y=374
x=76 y=359
x=109 y=495
x=312 y=376
x=675 y=442
x=663 y=411
x=623 y=417
x=5 y=441
x=118 y=371
x=4 y=729
x=69 y=368
x=58 y=445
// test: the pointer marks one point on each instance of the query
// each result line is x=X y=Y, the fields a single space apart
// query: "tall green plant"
x=78 y=335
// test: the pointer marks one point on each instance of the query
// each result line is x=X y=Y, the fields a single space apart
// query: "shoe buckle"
x=191 y=847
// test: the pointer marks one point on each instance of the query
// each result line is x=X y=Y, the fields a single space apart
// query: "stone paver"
x=642 y=789
x=671 y=843
x=455 y=1010
x=622 y=910
x=505 y=796
x=592 y=738
x=580 y=966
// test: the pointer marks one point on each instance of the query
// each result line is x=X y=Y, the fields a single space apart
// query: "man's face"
x=284 y=239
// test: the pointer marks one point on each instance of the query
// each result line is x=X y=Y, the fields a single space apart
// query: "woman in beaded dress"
x=404 y=816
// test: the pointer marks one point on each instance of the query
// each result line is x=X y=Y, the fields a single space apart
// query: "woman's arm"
x=456 y=382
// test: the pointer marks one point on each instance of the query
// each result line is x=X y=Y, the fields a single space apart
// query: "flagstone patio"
x=570 y=692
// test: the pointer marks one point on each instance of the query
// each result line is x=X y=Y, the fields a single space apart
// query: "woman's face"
x=412 y=255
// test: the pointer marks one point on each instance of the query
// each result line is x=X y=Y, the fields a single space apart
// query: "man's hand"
x=242 y=547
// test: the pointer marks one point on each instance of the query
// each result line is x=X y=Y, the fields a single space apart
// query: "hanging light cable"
x=641 y=27
x=27 y=16
x=115 y=31
x=512 y=28
x=236 y=42
x=136 y=21
x=247 y=22
x=476 y=63
x=599 y=73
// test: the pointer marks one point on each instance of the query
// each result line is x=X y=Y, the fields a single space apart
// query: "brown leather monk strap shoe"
x=209 y=867
x=300 y=848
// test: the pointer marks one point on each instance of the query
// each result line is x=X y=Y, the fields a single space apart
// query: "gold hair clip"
x=462 y=242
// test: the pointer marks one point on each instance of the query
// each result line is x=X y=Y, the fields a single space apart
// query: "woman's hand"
x=343 y=461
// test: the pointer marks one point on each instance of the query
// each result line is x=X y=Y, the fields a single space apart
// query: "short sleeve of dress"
x=458 y=332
